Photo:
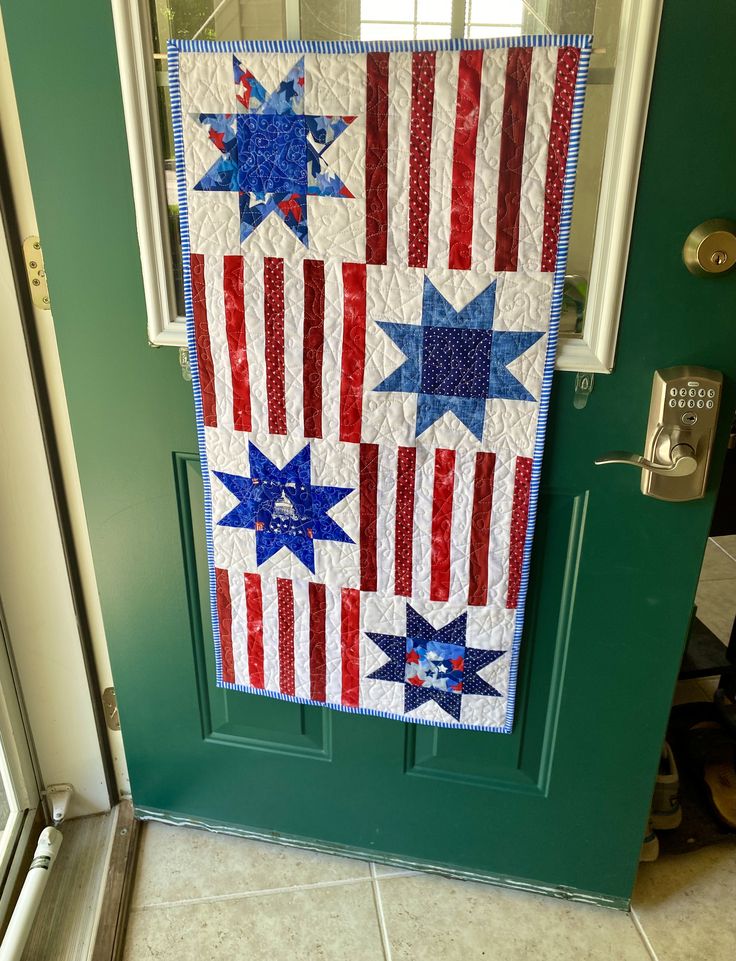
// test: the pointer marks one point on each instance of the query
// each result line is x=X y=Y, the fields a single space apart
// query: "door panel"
x=561 y=803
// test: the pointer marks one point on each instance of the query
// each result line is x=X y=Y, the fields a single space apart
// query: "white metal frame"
x=594 y=351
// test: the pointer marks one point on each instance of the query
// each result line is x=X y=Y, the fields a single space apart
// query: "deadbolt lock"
x=682 y=420
x=711 y=247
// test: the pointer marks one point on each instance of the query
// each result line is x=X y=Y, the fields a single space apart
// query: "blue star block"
x=434 y=664
x=455 y=361
x=272 y=154
x=283 y=507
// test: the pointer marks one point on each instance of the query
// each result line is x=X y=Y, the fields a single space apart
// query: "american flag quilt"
x=374 y=239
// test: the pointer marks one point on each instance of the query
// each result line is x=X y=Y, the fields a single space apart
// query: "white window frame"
x=594 y=351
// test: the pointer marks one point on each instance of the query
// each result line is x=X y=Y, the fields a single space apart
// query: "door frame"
x=48 y=592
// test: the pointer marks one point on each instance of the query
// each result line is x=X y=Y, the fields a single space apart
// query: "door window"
x=620 y=72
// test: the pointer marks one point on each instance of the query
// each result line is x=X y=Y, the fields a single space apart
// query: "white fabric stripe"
x=239 y=627
x=487 y=160
x=423 y=522
x=301 y=638
x=386 y=520
x=440 y=182
x=293 y=346
x=399 y=123
x=333 y=651
x=462 y=507
x=534 y=170
x=503 y=495
x=255 y=342
x=332 y=357
x=213 y=273
x=270 y=633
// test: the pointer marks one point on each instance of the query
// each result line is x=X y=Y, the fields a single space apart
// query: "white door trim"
x=34 y=581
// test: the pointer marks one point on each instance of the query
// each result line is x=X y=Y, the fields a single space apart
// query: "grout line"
x=714 y=541
x=643 y=935
x=242 y=895
x=379 y=911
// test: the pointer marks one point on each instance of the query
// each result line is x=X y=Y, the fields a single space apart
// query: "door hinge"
x=33 y=259
x=110 y=706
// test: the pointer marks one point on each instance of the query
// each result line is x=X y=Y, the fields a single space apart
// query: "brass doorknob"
x=711 y=247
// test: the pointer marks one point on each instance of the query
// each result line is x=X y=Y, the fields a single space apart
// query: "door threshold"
x=84 y=907
x=325 y=847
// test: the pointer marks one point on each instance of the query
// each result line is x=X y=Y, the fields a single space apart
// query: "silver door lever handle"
x=682 y=463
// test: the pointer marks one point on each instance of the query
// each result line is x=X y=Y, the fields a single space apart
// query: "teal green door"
x=560 y=803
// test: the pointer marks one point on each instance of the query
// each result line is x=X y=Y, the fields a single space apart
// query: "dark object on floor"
x=700 y=826
x=726 y=710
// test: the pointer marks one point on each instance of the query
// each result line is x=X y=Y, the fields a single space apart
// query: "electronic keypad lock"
x=682 y=422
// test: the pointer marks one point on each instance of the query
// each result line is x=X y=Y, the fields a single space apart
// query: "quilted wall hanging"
x=374 y=239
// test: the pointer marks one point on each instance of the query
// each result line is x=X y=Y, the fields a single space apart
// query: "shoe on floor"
x=666 y=812
x=650 y=844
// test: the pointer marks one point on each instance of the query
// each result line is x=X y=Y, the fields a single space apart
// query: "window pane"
x=387 y=31
x=387 y=10
x=496 y=11
x=478 y=31
x=433 y=31
x=435 y=11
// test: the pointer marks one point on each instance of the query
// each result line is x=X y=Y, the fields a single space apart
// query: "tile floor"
x=209 y=897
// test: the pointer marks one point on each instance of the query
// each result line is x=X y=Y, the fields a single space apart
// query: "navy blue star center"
x=283 y=507
x=455 y=360
x=434 y=664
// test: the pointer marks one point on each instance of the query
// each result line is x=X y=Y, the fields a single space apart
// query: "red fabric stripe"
x=350 y=646
x=467 y=109
x=313 y=349
x=232 y=282
x=353 y=352
x=376 y=158
x=225 y=621
x=420 y=150
x=568 y=59
x=444 y=487
x=285 y=598
x=513 y=133
x=317 y=652
x=480 y=528
x=254 y=612
x=273 y=309
x=519 y=522
x=368 y=516
x=405 y=484
x=202 y=340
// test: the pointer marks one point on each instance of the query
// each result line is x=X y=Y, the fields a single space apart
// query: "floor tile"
x=177 y=863
x=318 y=924
x=728 y=543
x=481 y=921
x=685 y=904
x=717 y=565
x=716 y=601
